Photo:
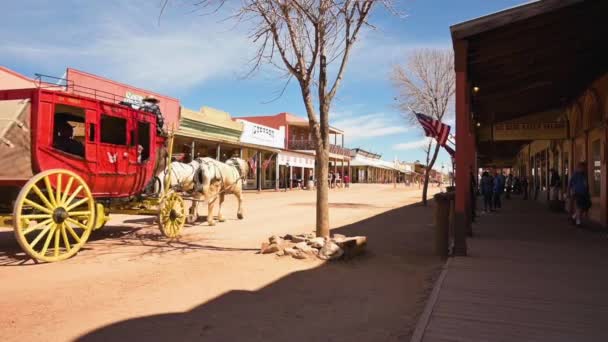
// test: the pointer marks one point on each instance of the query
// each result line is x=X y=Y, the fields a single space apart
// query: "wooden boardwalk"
x=529 y=276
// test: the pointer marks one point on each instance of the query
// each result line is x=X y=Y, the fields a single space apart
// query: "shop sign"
x=262 y=135
x=530 y=131
x=307 y=162
x=134 y=99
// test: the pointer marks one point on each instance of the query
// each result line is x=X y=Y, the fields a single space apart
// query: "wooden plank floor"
x=529 y=276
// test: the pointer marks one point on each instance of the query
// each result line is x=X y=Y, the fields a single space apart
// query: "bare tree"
x=426 y=83
x=312 y=41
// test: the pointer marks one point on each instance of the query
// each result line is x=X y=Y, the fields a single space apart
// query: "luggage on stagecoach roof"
x=15 y=138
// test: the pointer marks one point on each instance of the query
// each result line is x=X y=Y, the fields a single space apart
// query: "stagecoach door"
x=92 y=121
x=113 y=150
x=140 y=142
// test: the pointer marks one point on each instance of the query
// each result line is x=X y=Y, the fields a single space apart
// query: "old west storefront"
x=516 y=66
x=300 y=148
x=213 y=133
x=260 y=148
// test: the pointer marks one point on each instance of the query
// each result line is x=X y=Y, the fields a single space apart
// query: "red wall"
x=168 y=105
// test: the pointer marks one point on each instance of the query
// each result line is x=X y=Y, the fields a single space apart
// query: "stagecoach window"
x=143 y=139
x=113 y=130
x=69 y=130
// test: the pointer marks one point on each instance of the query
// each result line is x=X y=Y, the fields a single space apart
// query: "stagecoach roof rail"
x=71 y=87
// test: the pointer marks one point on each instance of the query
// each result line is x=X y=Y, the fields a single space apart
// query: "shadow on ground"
x=338 y=205
x=376 y=297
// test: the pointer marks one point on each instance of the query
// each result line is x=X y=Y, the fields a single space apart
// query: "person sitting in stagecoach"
x=64 y=139
x=150 y=104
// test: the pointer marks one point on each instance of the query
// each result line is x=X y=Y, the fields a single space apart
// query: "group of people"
x=493 y=186
x=336 y=181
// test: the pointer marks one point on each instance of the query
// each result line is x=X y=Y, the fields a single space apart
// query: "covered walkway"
x=528 y=276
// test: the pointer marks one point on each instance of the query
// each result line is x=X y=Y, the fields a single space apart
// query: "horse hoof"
x=191 y=219
x=221 y=219
x=211 y=223
x=240 y=216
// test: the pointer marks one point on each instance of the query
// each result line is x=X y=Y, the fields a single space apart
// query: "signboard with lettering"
x=262 y=135
x=530 y=131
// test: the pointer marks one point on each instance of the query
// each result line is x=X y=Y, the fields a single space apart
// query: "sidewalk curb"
x=425 y=318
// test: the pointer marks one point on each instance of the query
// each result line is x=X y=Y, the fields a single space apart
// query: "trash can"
x=310 y=185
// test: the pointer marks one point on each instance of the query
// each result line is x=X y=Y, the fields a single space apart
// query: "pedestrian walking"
x=487 y=190
x=555 y=183
x=509 y=186
x=579 y=191
x=499 y=188
x=524 y=186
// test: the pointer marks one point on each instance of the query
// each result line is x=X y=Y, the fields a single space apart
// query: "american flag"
x=266 y=162
x=253 y=163
x=434 y=128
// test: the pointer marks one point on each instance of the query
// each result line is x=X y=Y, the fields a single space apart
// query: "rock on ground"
x=330 y=251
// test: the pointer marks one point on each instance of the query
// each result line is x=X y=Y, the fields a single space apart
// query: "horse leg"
x=239 y=197
x=193 y=215
x=210 y=219
x=219 y=211
x=211 y=196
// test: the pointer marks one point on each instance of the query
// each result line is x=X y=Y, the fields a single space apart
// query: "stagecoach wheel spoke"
x=45 y=200
x=64 y=235
x=38 y=206
x=77 y=204
x=35 y=216
x=49 y=236
x=37 y=226
x=79 y=213
x=58 y=195
x=72 y=232
x=49 y=189
x=41 y=234
x=57 y=211
x=56 y=251
x=66 y=192
x=74 y=194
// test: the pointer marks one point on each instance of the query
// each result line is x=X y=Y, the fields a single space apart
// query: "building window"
x=597 y=167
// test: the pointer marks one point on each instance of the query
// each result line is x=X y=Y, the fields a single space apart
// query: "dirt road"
x=129 y=283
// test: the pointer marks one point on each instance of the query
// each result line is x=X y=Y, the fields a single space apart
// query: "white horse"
x=182 y=176
x=215 y=179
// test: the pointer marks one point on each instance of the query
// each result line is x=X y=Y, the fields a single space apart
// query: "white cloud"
x=357 y=127
x=376 y=52
x=126 y=43
x=412 y=145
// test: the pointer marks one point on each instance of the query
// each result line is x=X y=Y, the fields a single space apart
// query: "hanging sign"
x=530 y=131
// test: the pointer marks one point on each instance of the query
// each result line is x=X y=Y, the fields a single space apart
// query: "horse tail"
x=199 y=179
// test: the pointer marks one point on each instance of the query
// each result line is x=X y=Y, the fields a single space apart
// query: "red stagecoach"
x=68 y=159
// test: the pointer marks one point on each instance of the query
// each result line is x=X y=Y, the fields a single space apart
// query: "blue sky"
x=202 y=59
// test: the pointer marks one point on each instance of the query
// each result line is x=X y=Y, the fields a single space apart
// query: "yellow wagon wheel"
x=49 y=213
x=172 y=215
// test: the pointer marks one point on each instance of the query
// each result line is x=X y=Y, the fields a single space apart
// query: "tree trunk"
x=427 y=174
x=322 y=172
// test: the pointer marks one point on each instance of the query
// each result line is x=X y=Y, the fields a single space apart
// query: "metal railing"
x=309 y=145
x=52 y=82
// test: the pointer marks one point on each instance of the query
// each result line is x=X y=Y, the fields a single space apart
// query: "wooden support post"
x=442 y=223
x=192 y=150
x=217 y=152
x=464 y=153
x=259 y=167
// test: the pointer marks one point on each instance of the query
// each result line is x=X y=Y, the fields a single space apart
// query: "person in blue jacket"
x=578 y=188
x=499 y=188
